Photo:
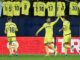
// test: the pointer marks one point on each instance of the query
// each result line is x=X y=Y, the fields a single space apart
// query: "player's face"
x=48 y=20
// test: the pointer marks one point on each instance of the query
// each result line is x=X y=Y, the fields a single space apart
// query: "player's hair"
x=67 y=18
x=8 y=19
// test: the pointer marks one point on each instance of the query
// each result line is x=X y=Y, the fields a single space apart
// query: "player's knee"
x=50 y=43
x=64 y=44
x=14 y=42
x=9 y=43
x=46 y=44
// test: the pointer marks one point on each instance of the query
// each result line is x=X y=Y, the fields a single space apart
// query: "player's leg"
x=50 y=40
x=65 y=47
x=15 y=45
x=66 y=41
x=10 y=49
x=46 y=47
x=54 y=49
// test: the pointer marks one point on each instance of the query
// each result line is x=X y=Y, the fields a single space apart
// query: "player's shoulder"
x=6 y=23
x=67 y=22
x=44 y=23
x=79 y=4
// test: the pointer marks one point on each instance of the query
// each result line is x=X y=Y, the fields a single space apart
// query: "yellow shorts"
x=11 y=39
x=48 y=40
x=67 y=38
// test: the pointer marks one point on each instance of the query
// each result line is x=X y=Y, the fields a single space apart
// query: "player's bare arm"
x=39 y=30
x=56 y=20
x=61 y=29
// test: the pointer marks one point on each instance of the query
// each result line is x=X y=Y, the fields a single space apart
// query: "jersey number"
x=10 y=8
x=16 y=7
x=62 y=7
x=12 y=29
x=25 y=7
x=5 y=8
x=50 y=8
x=74 y=8
x=41 y=8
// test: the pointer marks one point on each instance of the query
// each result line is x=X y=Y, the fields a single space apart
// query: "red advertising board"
x=35 y=45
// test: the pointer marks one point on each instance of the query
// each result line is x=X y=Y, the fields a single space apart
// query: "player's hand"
x=60 y=30
x=59 y=15
x=36 y=34
x=5 y=32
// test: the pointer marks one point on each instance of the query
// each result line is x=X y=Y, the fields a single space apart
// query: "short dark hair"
x=67 y=18
x=8 y=19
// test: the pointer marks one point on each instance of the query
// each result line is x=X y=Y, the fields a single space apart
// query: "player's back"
x=11 y=28
x=66 y=25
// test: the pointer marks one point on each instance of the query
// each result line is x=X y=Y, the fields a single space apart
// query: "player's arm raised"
x=63 y=25
x=40 y=30
x=54 y=22
x=61 y=18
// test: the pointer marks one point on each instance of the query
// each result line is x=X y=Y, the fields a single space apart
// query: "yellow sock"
x=10 y=49
x=52 y=47
x=46 y=47
x=15 y=46
x=65 y=50
x=67 y=46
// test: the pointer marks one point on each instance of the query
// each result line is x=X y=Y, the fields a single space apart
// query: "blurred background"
x=28 y=25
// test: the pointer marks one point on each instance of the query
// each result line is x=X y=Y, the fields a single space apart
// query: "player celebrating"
x=48 y=34
x=66 y=34
x=10 y=29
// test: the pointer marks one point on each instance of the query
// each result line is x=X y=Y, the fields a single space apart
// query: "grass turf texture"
x=40 y=57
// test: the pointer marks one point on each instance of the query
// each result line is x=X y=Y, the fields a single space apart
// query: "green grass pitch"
x=40 y=57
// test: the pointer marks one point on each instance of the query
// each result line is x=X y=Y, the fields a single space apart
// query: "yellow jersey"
x=66 y=26
x=48 y=28
x=35 y=5
x=59 y=5
x=4 y=5
x=73 y=8
x=16 y=8
x=9 y=8
x=63 y=7
x=51 y=8
x=10 y=29
x=25 y=5
x=41 y=8
x=79 y=5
